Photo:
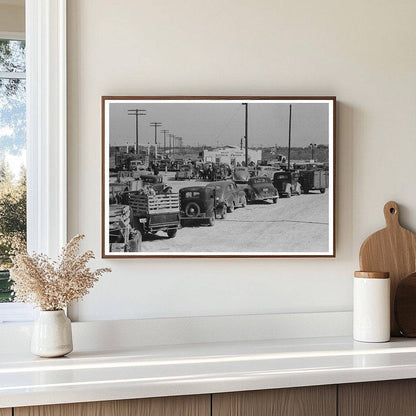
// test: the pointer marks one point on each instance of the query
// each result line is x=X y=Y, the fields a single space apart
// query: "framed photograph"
x=218 y=176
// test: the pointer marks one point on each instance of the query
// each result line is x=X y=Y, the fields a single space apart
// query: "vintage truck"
x=185 y=172
x=153 y=213
x=314 y=180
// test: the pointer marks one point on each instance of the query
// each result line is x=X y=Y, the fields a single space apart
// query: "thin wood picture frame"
x=233 y=151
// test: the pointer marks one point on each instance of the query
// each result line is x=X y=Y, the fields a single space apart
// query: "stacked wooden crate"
x=120 y=228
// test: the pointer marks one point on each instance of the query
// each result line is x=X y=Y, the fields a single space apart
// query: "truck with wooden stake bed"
x=153 y=213
x=313 y=177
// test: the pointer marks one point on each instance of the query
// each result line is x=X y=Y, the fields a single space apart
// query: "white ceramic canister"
x=371 y=313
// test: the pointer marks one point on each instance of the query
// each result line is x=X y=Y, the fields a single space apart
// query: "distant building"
x=231 y=155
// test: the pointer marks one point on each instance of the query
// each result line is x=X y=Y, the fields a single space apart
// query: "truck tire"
x=172 y=233
x=231 y=207
x=322 y=190
x=275 y=200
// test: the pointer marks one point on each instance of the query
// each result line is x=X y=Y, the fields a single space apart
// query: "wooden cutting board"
x=393 y=250
x=405 y=306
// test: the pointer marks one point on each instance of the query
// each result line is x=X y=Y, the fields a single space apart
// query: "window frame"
x=46 y=137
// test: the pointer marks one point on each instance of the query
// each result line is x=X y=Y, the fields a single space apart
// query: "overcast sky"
x=222 y=123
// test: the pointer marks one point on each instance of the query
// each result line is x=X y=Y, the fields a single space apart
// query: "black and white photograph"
x=218 y=176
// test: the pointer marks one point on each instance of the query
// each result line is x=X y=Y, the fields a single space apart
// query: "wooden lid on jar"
x=372 y=275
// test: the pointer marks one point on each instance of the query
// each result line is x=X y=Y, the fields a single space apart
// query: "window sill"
x=16 y=313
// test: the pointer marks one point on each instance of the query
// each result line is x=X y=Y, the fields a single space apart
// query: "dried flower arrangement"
x=53 y=285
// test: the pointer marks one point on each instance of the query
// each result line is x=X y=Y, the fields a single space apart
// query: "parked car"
x=198 y=204
x=174 y=165
x=228 y=196
x=164 y=165
x=137 y=165
x=241 y=174
x=260 y=188
x=268 y=171
x=287 y=183
x=185 y=172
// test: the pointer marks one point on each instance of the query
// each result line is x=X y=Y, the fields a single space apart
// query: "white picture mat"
x=106 y=167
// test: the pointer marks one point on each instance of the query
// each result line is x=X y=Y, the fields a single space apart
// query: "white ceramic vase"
x=52 y=334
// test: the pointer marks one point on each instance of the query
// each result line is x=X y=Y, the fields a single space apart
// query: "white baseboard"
x=169 y=331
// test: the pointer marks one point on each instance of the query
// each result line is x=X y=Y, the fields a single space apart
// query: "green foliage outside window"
x=12 y=147
x=12 y=223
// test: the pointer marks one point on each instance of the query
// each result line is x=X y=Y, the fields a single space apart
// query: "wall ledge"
x=190 y=330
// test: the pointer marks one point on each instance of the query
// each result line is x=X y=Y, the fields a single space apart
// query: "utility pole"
x=171 y=136
x=137 y=112
x=290 y=132
x=164 y=139
x=246 y=133
x=179 y=143
x=312 y=146
x=155 y=124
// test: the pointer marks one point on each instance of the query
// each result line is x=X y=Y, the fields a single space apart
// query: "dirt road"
x=297 y=224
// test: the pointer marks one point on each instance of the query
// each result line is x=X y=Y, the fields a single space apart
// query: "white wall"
x=361 y=51
x=12 y=17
